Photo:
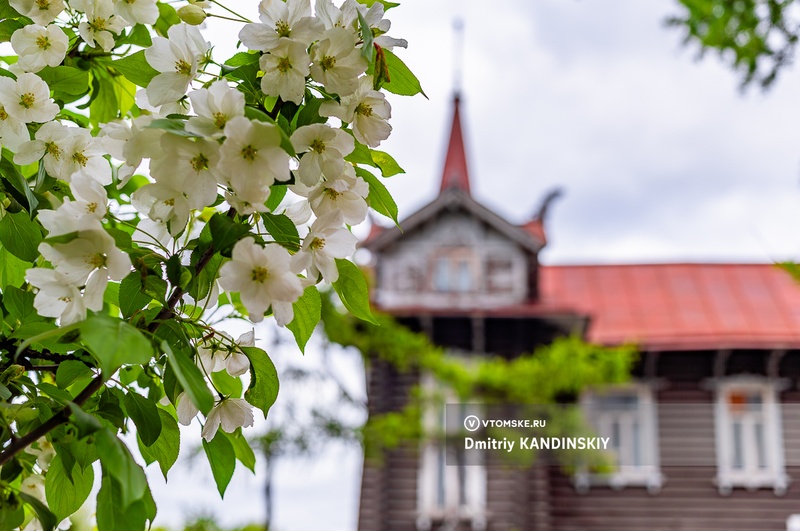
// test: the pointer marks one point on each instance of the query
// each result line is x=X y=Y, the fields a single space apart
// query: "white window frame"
x=648 y=472
x=751 y=476
x=438 y=485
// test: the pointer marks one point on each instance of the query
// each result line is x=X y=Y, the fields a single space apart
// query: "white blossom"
x=285 y=70
x=337 y=62
x=89 y=207
x=137 y=11
x=251 y=159
x=326 y=241
x=44 y=452
x=60 y=298
x=39 y=46
x=291 y=19
x=185 y=409
x=225 y=357
x=91 y=250
x=13 y=132
x=214 y=106
x=130 y=141
x=27 y=99
x=229 y=414
x=41 y=11
x=33 y=485
x=48 y=144
x=164 y=202
x=83 y=154
x=100 y=25
x=262 y=276
x=190 y=165
x=366 y=109
x=346 y=194
x=324 y=148
x=177 y=59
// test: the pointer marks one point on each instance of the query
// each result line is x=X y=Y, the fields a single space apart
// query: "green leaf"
x=168 y=445
x=379 y=197
x=6 y=11
x=309 y=113
x=244 y=453
x=282 y=229
x=386 y=163
x=307 y=313
x=222 y=458
x=360 y=155
x=173 y=126
x=20 y=235
x=226 y=232
x=145 y=415
x=19 y=303
x=403 y=82
x=71 y=371
x=190 y=378
x=352 y=290
x=7 y=29
x=138 y=35
x=113 y=514
x=131 y=296
x=167 y=17
x=86 y=422
x=12 y=269
x=114 y=343
x=46 y=518
x=264 y=385
x=386 y=4
x=104 y=106
x=15 y=184
x=118 y=462
x=135 y=68
x=11 y=516
x=66 y=79
x=243 y=58
x=226 y=384
x=276 y=194
x=367 y=49
x=66 y=495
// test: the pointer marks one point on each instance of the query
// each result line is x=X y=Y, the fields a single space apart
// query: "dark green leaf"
x=263 y=390
x=46 y=518
x=20 y=235
x=282 y=229
x=145 y=415
x=379 y=197
x=190 y=378
x=135 y=68
x=15 y=184
x=113 y=514
x=71 y=371
x=226 y=232
x=352 y=290
x=118 y=462
x=167 y=447
x=12 y=269
x=307 y=312
x=65 y=495
x=86 y=423
x=222 y=458
x=114 y=343
x=66 y=79
x=19 y=303
x=309 y=113
x=244 y=453
x=403 y=82
x=276 y=194
x=226 y=384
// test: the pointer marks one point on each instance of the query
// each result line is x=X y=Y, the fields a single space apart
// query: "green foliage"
x=190 y=378
x=114 y=343
x=222 y=458
x=263 y=390
x=379 y=197
x=758 y=35
x=352 y=290
x=166 y=448
x=65 y=494
x=307 y=312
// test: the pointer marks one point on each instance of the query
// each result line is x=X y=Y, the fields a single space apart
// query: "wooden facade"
x=472 y=282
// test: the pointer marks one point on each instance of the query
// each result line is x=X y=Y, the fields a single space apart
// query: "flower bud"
x=192 y=15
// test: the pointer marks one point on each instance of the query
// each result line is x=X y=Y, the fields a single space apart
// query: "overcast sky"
x=662 y=159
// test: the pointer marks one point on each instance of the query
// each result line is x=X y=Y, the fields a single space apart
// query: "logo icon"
x=472 y=423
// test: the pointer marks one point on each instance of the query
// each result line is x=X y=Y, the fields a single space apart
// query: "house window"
x=500 y=274
x=454 y=271
x=749 y=436
x=627 y=417
x=450 y=491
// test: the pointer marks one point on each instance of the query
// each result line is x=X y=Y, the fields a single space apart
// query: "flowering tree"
x=148 y=191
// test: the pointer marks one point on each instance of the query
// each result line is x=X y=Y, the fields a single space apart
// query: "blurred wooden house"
x=723 y=339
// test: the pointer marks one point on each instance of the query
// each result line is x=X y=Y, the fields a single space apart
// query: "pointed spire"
x=455 y=173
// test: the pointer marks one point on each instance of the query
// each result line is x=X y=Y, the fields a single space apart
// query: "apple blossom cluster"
x=144 y=185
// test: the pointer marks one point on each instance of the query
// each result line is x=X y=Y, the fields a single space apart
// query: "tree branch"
x=52 y=423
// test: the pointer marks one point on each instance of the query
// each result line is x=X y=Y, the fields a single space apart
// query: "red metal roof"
x=680 y=306
x=455 y=173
